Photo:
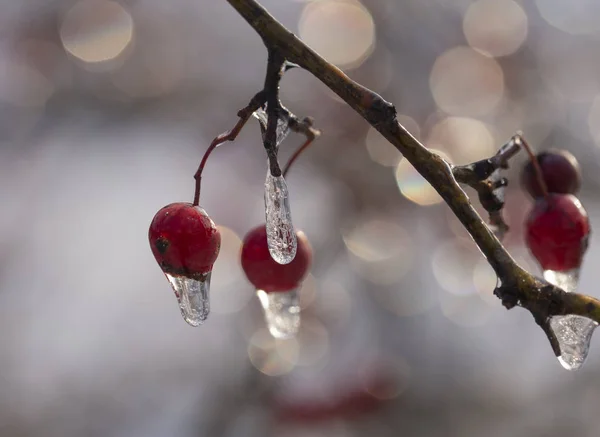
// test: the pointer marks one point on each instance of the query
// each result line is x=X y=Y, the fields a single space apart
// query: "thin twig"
x=475 y=172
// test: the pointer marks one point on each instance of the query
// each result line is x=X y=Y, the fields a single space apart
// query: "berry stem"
x=244 y=114
x=534 y=162
x=297 y=153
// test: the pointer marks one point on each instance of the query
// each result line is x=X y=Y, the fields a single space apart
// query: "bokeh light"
x=485 y=280
x=308 y=292
x=378 y=250
x=96 y=31
x=313 y=342
x=413 y=186
x=571 y=74
x=577 y=17
x=466 y=311
x=381 y=151
x=156 y=66
x=465 y=82
x=271 y=356
x=495 y=27
x=341 y=31
x=23 y=85
x=464 y=139
x=388 y=380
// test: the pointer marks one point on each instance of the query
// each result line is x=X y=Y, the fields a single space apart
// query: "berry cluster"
x=275 y=257
x=186 y=242
x=557 y=232
x=557 y=228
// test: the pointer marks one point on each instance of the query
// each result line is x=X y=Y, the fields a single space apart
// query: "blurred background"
x=106 y=108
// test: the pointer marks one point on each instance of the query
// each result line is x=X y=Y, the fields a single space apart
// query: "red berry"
x=267 y=274
x=560 y=171
x=557 y=231
x=184 y=240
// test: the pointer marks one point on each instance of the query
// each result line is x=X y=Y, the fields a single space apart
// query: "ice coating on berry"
x=556 y=232
x=574 y=333
x=280 y=229
x=184 y=240
x=560 y=171
x=192 y=297
x=282 y=312
x=266 y=274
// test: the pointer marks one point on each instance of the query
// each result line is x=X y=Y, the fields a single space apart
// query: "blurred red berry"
x=556 y=232
x=184 y=240
x=560 y=172
x=267 y=274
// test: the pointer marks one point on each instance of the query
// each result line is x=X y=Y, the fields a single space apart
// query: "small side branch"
x=485 y=177
x=304 y=127
x=475 y=172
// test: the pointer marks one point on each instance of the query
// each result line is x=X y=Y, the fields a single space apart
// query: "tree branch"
x=517 y=286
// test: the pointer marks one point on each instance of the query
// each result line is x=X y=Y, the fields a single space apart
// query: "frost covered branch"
x=516 y=287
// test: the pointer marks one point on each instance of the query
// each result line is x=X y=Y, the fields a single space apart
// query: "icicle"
x=283 y=128
x=192 y=296
x=281 y=236
x=573 y=333
x=282 y=312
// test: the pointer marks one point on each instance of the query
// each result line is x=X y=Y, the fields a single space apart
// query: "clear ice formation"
x=281 y=236
x=283 y=128
x=282 y=312
x=193 y=297
x=573 y=333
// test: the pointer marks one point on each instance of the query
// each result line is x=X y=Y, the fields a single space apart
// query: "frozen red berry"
x=557 y=231
x=184 y=240
x=560 y=171
x=265 y=273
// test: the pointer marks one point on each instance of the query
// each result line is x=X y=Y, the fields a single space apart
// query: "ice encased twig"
x=283 y=128
x=281 y=236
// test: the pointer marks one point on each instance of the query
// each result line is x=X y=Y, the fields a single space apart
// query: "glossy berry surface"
x=184 y=240
x=560 y=171
x=556 y=232
x=264 y=272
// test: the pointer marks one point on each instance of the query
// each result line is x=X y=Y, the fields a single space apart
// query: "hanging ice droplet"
x=281 y=236
x=283 y=128
x=573 y=333
x=282 y=312
x=192 y=296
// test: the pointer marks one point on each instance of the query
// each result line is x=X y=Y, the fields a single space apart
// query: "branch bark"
x=516 y=285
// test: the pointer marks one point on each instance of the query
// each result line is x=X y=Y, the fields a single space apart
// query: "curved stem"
x=296 y=154
x=257 y=101
x=220 y=139
x=537 y=170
